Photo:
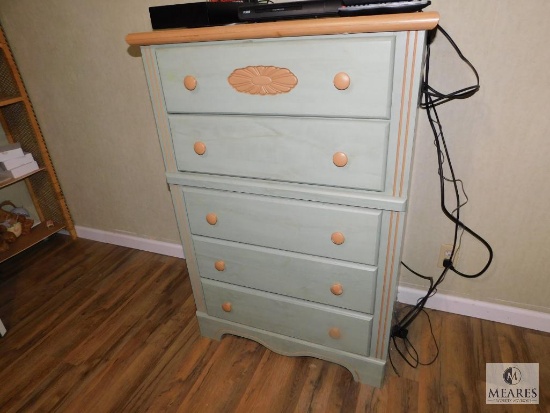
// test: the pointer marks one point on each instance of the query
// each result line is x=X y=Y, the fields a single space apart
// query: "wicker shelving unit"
x=19 y=122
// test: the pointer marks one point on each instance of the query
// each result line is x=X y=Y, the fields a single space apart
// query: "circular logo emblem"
x=512 y=375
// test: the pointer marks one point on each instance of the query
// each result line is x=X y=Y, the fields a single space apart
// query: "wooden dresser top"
x=289 y=28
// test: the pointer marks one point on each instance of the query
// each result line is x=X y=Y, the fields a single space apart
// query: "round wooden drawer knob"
x=337 y=289
x=190 y=82
x=338 y=238
x=341 y=81
x=227 y=307
x=335 y=333
x=211 y=218
x=340 y=159
x=219 y=265
x=200 y=148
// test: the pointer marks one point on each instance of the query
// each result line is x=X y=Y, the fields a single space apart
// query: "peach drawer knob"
x=337 y=289
x=340 y=159
x=211 y=218
x=338 y=238
x=227 y=307
x=342 y=81
x=219 y=265
x=199 y=148
x=190 y=82
x=335 y=333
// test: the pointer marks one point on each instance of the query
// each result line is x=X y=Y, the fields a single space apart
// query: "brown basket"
x=26 y=221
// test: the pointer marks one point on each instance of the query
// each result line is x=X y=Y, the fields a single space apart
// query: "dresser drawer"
x=335 y=152
x=322 y=280
x=331 y=327
x=283 y=76
x=345 y=233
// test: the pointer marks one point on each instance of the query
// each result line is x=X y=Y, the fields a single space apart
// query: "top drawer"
x=286 y=77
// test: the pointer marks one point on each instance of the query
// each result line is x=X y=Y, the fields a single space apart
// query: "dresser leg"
x=3 y=330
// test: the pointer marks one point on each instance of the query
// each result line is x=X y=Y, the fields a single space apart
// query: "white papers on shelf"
x=15 y=162
x=10 y=151
x=19 y=171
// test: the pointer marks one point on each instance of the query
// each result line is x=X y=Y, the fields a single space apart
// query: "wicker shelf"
x=38 y=233
x=19 y=123
x=8 y=182
x=10 y=101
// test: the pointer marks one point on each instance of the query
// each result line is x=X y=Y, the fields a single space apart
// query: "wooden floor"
x=98 y=328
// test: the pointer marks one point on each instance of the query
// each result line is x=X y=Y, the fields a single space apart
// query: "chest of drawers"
x=287 y=150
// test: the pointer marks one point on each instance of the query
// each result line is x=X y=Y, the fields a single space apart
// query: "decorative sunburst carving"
x=262 y=80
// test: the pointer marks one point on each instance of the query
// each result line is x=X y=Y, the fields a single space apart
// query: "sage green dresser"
x=287 y=149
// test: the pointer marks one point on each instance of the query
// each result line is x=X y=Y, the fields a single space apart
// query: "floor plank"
x=99 y=328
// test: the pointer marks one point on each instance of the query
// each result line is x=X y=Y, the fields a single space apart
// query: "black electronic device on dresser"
x=202 y=14
x=289 y=10
x=191 y=15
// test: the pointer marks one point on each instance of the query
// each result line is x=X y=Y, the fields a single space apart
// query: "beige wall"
x=500 y=147
x=91 y=99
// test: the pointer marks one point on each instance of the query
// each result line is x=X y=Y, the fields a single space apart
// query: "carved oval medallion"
x=262 y=80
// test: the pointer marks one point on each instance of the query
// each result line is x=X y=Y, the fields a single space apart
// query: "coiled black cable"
x=430 y=99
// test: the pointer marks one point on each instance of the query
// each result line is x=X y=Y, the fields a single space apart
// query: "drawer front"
x=271 y=66
x=334 y=152
x=291 y=225
x=321 y=280
x=311 y=322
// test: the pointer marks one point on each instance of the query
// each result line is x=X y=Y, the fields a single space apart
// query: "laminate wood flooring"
x=99 y=328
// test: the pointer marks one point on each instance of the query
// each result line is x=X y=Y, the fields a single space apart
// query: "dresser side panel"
x=188 y=247
x=165 y=140
x=156 y=94
x=391 y=240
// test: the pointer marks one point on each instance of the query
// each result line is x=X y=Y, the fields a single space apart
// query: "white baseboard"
x=143 y=244
x=478 y=309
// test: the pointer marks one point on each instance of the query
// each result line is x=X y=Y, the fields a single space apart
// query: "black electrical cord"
x=430 y=99
x=408 y=345
x=439 y=98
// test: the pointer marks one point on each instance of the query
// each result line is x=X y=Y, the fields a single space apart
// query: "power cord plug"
x=399 y=332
